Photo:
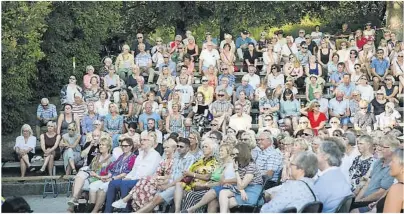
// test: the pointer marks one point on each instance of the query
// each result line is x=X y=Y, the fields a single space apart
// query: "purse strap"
x=315 y=198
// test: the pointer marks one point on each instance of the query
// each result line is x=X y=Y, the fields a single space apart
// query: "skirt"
x=193 y=197
x=253 y=193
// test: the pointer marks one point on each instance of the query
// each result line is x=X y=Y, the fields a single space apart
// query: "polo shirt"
x=379 y=178
x=144 y=117
x=254 y=80
x=338 y=107
x=142 y=59
x=380 y=66
x=347 y=89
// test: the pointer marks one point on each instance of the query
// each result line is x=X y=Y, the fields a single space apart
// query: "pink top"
x=87 y=78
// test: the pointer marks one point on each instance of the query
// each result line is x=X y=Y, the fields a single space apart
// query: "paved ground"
x=48 y=204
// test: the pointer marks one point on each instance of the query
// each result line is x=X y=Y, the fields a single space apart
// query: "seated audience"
x=70 y=149
x=50 y=146
x=45 y=112
x=25 y=149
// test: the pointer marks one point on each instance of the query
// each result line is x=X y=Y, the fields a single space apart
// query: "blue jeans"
x=123 y=185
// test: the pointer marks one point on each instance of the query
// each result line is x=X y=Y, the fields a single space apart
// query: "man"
x=379 y=68
x=214 y=127
x=225 y=73
x=186 y=92
x=151 y=127
x=300 y=38
x=144 y=61
x=145 y=165
x=140 y=40
x=139 y=94
x=242 y=43
x=331 y=187
x=169 y=63
x=339 y=107
x=342 y=34
x=268 y=160
x=149 y=114
x=216 y=136
x=224 y=85
x=174 y=44
x=336 y=77
x=45 y=112
x=351 y=152
x=208 y=57
x=323 y=101
x=221 y=108
x=245 y=86
x=254 y=78
x=380 y=179
x=288 y=49
x=240 y=121
x=182 y=162
x=303 y=55
x=91 y=148
x=187 y=129
x=346 y=86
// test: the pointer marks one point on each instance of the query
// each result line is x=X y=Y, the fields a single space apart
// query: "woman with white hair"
x=229 y=40
x=363 y=119
x=112 y=84
x=335 y=124
x=25 y=148
x=387 y=119
x=124 y=62
x=105 y=70
x=192 y=48
x=379 y=102
x=49 y=145
x=113 y=124
x=88 y=76
x=71 y=149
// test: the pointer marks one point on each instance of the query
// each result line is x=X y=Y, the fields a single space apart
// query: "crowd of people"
x=138 y=127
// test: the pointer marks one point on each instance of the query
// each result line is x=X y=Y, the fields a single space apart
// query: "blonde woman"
x=298 y=145
x=126 y=108
x=124 y=62
x=166 y=78
x=316 y=117
x=49 y=145
x=71 y=149
x=25 y=148
x=363 y=119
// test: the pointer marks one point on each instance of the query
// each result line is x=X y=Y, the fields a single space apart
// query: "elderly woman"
x=79 y=107
x=66 y=119
x=317 y=119
x=335 y=124
x=49 y=145
x=92 y=94
x=25 y=148
x=101 y=106
x=113 y=124
x=116 y=170
x=207 y=193
x=249 y=182
x=92 y=173
x=174 y=121
x=166 y=78
x=297 y=191
x=194 y=148
x=227 y=56
x=379 y=102
x=304 y=123
x=112 y=84
x=389 y=118
x=362 y=163
x=105 y=70
x=126 y=108
x=70 y=149
x=198 y=174
x=87 y=123
x=298 y=145
x=163 y=95
x=68 y=91
x=90 y=74
x=363 y=119
x=290 y=109
x=124 y=62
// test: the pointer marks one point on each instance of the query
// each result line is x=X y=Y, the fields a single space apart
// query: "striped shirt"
x=79 y=110
x=221 y=106
x=143 y=59
x=48 y=113
x=268 y=159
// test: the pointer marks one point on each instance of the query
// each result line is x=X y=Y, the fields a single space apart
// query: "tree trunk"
x=395 y=18
x=180 y=28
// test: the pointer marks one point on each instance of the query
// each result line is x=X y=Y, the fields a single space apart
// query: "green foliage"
x=76 y=29
x=23 y=24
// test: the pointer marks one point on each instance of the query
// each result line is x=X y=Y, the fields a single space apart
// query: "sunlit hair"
x=26 y=127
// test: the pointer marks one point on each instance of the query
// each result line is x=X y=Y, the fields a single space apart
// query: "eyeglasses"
x=180 y=146
x=213 y=124
x=307 y=134
x=204 y=80
x=125 y=146
x=304 y=47
x=303 y=122
x=213 y=137
x=139 y=37
x=399 y=56
x=144 y=139
x=317 y=106
x=327 y=37
x=379 y=52
x=159 y=41
x=388 y=79
x=334 y=122
x=96 y=124
x=70 y=129
x=260 y=139
x=357 y=67
x=224 y=69
x=364 y=107
x=291 y=57
x=380 y=94
x=268 y=119
x=364 y=79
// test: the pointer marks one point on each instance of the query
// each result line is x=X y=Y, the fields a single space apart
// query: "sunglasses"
x=220 y=95
x=125 y=146
x=159 y=41
x=181 y=147
x=304 y=47
x=379 y=52
x=140 y=37
x=244 y=139
x=317 y=106
x=45 y=105
x=97 y=124
x=213 y=137
x=334 y=122
x=364 y=107
x=357 y=67
x=380 y=94
x=307 y=134
x=72 y=78
x=399 y=56
x=70 y=129
x=224 y=69
x=213 y=124
x=327 y=37
x=204 y=80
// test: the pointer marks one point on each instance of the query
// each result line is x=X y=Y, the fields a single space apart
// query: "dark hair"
x=16 y=205
x=188 y=56
x=95 y=78
x=337 y=133
x=356 y=52
x=152 y=119
x=335 y=54
x=184 y=66
x=316 y=26
x=347 y=74
x=67 y=104
x=217 y=134
x=251 y=43
x=299 y=133
x=132 y=125
x=174 y=136
x=184 y=140
x=278 y=69
x=288 y=91
x=275 y=142
x=279 y=32
x=106 y=94
x=342 y=64
x=239 y=134
x=129 y=141
x=244 y=156
x=226 y=45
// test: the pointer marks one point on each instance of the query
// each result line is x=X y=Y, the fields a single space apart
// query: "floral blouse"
x=364 y=120
x=359 y=169
x=113 y=125
x=121 y=165
x=203 y=166
x=100 y=166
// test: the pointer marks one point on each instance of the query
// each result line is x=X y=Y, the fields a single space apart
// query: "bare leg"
x=51 y=164
x=150 y=206
x=224 y=197
x=208 y=197
x=72 y=165
x=45 y=163
x=232 y=203
x=92 y=197
x=101 y=195
x=179 y=192
x=212 y=206
x=25 y=158
x=23 y=167
x=78 y=184
x=68 y=169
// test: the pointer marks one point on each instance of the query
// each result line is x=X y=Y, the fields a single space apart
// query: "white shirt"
x=209 y=57
x=366 y=91
x=102 y=110
x=286 y=52
x=254 y=80
x=31 y=143
x=145 y=165
x=274 y=81
x=240 y=123
x=186 y=92
x=346 y=163
x=158 y=133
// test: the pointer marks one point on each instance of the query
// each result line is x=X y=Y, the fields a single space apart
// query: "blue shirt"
x=240 y=41
x=231 y=77
x=379 y=178
x=338 y=107
x=181 y=164
x=347 y=89
x=268 y=159
x=248 y=90
x=289 y=108
x=303 y=58
x=380 y=66
x=171 y=65
x=144 y=117
x=337 y=76
x=48 y=113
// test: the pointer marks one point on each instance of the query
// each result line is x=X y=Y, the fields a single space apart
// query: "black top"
x=136 y=44
x=377 y=107
x=325 y=57
x=380 y=204
x=131 y=81
x=249 y=57
x=92 y=153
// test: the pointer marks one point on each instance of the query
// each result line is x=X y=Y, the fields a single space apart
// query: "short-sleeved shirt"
x=171 y=65
x=338 y=107
x=249 y=90
x=135 y=47
x=313 y=122
x=252 y=169
x=144 y=117
x=209 y=57
x=143 y=59
x=221 y=106
x=347 y=89
x=337 y=76
x=231 y=77
x=379 y=178
x=380 y=66
x=268 y=159
x=48 y=113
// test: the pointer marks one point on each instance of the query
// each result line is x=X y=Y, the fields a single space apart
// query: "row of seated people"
x=195 y=173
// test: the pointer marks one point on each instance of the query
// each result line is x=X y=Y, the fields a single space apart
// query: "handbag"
x=187 y=180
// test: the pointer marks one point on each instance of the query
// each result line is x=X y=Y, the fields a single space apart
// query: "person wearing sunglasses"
x=379 y=102
x=339 y=107
x=365 y=90
x=343 y=52
x=288 y=48
x=240 y=120
x=303 y=54
x=68 y=91
x=70 y=148
x=358 y=72
x=363 y=119
x=379 y=69
x=316 y=117
x=45 y=112
x=398 y=70
x=390 y=89
x=351 y=61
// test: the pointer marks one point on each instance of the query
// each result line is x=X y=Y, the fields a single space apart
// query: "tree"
x=23 y=24
x=395 y=18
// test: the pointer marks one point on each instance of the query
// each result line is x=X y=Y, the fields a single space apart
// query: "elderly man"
x=380 y=179
x=242 y=43
x=245 y=86
x=300 y=38
x=226 y=73
x=208 y=57
x=331 y=187
x=45 y=112
x=240 y=121
x=148 y=113
x=339 y=107
x=144 y=61
x=268 y=160
x=254 y=78
x=169 y=63
x=303 y=55
x=140 y=40
x=187 y=129
x=221 y=108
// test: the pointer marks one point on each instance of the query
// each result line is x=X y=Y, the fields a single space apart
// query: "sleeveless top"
x=111 y=80
x=123 y=110
x=324 y=57
x=380 y=204
x=191 y=51
x=65 y=124
x=49 y=141
x=314 y=70
x=176 y=124
x=389 y=91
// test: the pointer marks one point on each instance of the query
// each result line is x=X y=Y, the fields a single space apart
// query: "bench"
x=57 y=163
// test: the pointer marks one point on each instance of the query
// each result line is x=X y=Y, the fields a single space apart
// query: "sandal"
x=74 y=172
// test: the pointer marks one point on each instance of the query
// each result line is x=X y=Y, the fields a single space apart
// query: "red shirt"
x=361 y=42
x=315 y=123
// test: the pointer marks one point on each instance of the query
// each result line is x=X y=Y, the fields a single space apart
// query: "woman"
x=357 y=74
x=369 y=32
x=270 y=104
x=92 y=173
x=194 y=148
x=398 y=70
x=269 y=57
x=175 y=98
x=379 y=102
x=389 y=118
x=228 y=39
x=317 y=119
x=262 y=44
x=190 y=65
x=132 y=127
x=289 y=109
x=363 y=119
x=351 y=62
x=304 y=123
x=362 y=163
x=126 y=109
x=335 y=124
x=228 y=57
x=146 y=188
x=260 y=91
x=199 y=112
x=132 y=82
x=79 y=108
x=325 y=56
x=25 y=148
x=244 y=102
x=114 y=171
x=198 y=174
x=124 y=62
x=313 y=68
x=66 y=119
x=112 y=84
x=365 y=90
x=266 y=122
x=49 y=145
x=360 y=39
x=189 y=78
x=192 y=48
x=389 y=88
x=294 y=69
x=332 y=65
x=317 y=35
x=113 y=124
x=276 y=79
x=211 y=74
x=250 y=56
x=174 y=121
x=298 y=191
x=87 y=78
x=206 y=90
x=88 y=120
x=68 y=91
x=101 y=106
x=70 y=149
x=105 y=70
x=249 y=182
x=312 y=86
x=221 y=178
x=92 y=94
x=167 y=78
x=178 y=55
x=343 y=52
x=298 y=145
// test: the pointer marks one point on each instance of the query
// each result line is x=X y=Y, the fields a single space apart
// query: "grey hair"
x=302 y=142
x=308 y=162
x=366 y=139
x=333 y=152
x=212 y=144
x=400 y=154
x=45 y=100
x=391 y=141
x=89 y=67
x=28 y=127
x=107 y=60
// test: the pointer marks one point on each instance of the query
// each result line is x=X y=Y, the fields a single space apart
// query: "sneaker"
x=73 y=202
x=120 y=204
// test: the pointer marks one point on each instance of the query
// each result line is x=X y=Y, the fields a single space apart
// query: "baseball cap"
x=245 y=32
